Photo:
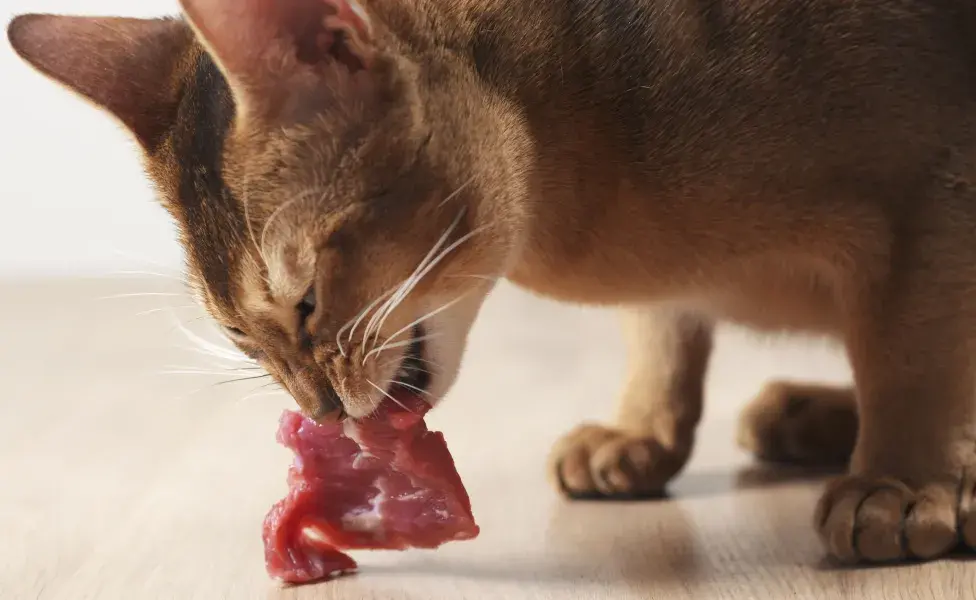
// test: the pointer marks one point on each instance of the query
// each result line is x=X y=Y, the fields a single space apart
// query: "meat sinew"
x=385 y=482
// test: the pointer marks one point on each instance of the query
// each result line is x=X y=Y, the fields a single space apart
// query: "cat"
x=351 y=177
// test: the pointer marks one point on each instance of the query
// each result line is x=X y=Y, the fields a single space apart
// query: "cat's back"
x=689 y=84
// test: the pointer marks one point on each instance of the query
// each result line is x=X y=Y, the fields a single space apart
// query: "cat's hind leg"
x=653 y=434
x=800 y=424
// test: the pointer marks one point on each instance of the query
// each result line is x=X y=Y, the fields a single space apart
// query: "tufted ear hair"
x=122 y=65
x=274 y=50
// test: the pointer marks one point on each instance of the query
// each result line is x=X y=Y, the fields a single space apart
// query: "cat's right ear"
x=278 y=53
x=122 y=65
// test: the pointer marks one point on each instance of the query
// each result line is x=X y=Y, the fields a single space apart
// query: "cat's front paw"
x=594 y=461
x=878 y=520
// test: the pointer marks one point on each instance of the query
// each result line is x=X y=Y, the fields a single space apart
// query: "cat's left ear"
x=273 y=51
x=123 y=65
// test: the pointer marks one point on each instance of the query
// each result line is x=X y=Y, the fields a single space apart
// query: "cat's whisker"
x=147 y=273
x=413 y=388
x=223 y=364
x=397 y=297
x=399 y=359
x=415 y=370
x=485 y=278
x=153 y=311
x=143 y=295
x=380 y=316
x=411 y=326
x=404 y=367
x=259 y=393
x=440 y=257
x=281 y=210
x=262 y=391
x=242 y=379
x=221 y=354
x=213 y=349
x=229 y=358
x=385 y=393
x=399 y=345
x=456 y=192
x=359 y=318
x=218 y=372
x=437 y=366
x=227 y=363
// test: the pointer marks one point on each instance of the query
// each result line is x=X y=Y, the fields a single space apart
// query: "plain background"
x=74 y=197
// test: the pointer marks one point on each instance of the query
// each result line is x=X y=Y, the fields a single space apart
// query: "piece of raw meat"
x=385 y=482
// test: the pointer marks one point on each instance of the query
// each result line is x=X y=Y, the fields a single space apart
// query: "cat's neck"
x=577 y=70
x=601 y=90
x=534 y=52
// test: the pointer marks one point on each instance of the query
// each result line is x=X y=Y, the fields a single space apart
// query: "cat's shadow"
x=753 y=476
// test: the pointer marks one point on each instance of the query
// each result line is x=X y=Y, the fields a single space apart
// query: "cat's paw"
x=594 y=461
x=878 y=520
x=800 y=424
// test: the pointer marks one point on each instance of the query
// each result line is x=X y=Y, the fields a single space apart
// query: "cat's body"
x=651 y=121
x=351 y=176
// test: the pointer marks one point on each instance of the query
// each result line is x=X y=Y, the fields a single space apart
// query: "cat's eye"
x=307 y=306
x=234 y=332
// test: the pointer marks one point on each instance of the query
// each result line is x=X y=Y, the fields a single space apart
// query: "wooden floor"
x=125 y=479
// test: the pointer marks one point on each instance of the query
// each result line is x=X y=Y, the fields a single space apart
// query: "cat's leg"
x=661 y=405
x=802 y=424
x=912 y=345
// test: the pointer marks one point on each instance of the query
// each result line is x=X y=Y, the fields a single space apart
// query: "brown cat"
x=350 y=179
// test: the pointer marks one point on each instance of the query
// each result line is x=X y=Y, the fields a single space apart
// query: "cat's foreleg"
x=661 y=404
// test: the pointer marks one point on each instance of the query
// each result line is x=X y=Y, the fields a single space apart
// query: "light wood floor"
x=123 y=481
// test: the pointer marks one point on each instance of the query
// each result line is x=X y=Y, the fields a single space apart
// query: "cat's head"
x=345 y=201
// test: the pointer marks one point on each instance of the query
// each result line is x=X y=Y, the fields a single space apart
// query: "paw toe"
x=626 y=466
x=597 y=461
x=570 y=461
x=878 y=529
x=930 y=523
x=884 y=520
x=836 y=518
x=967 y=510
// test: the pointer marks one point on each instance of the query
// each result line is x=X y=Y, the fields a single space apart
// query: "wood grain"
x=120 y=481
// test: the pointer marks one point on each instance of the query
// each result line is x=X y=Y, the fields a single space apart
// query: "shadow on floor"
x=658 y=542
x=753 y=477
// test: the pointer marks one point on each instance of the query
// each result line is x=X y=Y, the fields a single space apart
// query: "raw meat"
x=385 y=482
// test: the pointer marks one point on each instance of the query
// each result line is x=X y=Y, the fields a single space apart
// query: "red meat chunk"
x=385 y=482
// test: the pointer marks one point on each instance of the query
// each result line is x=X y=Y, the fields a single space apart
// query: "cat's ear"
x=269 y=49
x=122 y=65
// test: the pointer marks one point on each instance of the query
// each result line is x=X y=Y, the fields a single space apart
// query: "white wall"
x=73 y=199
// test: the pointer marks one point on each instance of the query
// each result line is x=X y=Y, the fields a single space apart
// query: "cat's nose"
x=326 y=414
x=328 y=406
x=314 y=393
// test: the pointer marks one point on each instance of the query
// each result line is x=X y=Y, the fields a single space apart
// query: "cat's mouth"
x=412 y=377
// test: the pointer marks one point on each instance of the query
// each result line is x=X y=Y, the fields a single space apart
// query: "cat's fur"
x=802 y=165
